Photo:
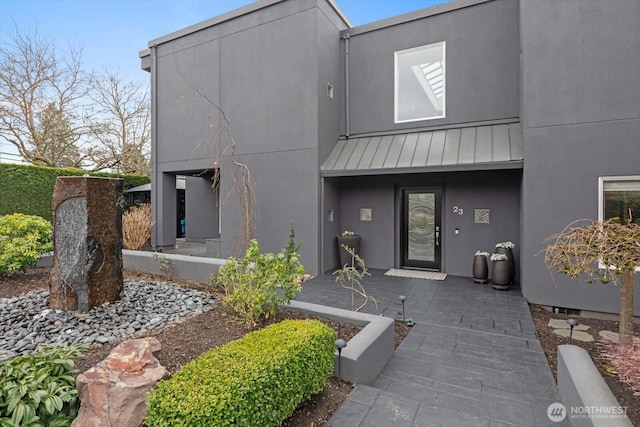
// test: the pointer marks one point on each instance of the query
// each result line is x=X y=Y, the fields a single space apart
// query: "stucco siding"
x=581 y=121
x=482 y=76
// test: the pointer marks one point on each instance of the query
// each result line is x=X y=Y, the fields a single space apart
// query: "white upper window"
x=420 y=76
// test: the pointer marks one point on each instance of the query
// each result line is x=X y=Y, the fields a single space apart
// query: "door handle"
x=437 y=236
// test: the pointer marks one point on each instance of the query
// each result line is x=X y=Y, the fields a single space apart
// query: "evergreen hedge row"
x=258 y=380
x=29 y=189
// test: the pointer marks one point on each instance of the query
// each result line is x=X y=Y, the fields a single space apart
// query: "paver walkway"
x=472 y=359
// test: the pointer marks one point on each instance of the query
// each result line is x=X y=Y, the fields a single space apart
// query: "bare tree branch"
x=223 y=152
x=42 y=99
x=121 y=125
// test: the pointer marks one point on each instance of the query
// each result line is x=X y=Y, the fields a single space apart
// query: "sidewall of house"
x=581 y=121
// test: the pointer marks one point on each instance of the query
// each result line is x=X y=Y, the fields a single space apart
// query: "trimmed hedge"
x=29 y=189
x=258 y=380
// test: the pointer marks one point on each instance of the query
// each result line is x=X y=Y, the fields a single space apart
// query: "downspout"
x=154 y=146
x=347 y=130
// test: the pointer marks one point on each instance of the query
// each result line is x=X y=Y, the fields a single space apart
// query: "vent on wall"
x=481 y=216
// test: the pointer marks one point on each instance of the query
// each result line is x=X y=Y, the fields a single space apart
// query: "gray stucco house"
x=432 y=134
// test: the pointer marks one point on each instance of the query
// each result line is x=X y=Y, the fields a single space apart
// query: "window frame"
x=601 y=182
x=396 y=82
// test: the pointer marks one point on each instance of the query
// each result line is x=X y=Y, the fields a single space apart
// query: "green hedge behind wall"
x=29 y=189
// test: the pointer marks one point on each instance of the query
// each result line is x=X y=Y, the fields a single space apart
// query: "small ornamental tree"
x=608 y=249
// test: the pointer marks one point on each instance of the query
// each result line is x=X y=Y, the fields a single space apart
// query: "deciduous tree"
x=42 y=99
x=121 y=125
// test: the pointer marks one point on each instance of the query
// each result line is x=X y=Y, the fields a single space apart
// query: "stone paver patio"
x=472 y=358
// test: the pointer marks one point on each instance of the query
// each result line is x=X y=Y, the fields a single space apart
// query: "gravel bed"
x=26 y=322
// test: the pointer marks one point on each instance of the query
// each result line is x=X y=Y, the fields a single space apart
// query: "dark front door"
x=421 y=228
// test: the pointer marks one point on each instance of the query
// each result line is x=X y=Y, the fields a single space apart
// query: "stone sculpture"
x=87 y=239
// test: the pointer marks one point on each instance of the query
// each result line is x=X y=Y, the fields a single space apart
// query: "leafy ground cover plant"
x=257 y=380
x=39 y=389
x=136 y=226
x=255 y=285
x=23 y=238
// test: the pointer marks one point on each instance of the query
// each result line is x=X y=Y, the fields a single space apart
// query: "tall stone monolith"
x=87 y=243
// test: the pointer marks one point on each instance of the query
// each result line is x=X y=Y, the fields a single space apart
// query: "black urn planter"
x=510 y=261
x=501 y=275
x=353 y=242
x=480 y=269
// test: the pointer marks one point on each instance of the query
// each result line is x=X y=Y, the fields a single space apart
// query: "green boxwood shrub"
x=257 y=380
x=39 y=389
x=23 y=238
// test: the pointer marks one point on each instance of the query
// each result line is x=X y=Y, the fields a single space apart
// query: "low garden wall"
x=586 y=396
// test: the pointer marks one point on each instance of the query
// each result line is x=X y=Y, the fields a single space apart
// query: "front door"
x=421 y=228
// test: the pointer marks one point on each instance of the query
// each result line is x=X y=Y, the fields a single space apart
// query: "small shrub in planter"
x=23 y=239
x=257 y=380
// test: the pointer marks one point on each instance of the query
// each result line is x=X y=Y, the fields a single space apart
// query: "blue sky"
x=112 y=32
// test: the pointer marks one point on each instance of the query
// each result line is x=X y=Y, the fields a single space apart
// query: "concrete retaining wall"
x=186 y=267
x=584 y=391
x=367 y=353
x=198 y=269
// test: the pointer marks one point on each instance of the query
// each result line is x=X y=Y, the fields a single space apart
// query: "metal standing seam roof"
x=466 y=148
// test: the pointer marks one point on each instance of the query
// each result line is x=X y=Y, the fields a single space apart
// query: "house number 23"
x=458 y=210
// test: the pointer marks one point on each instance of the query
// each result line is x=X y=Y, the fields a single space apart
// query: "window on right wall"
x=420 y=77
x=619 y=197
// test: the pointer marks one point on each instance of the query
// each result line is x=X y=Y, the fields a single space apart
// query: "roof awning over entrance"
x=485 y=147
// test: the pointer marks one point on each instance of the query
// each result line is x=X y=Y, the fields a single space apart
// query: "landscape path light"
x=407 y=320
x=572 y=323
x=340 y=344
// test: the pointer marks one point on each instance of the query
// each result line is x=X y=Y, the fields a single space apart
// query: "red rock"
x=113 y=393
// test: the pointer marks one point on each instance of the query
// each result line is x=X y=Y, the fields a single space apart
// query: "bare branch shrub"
x=351 y=276
x=136 y=226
